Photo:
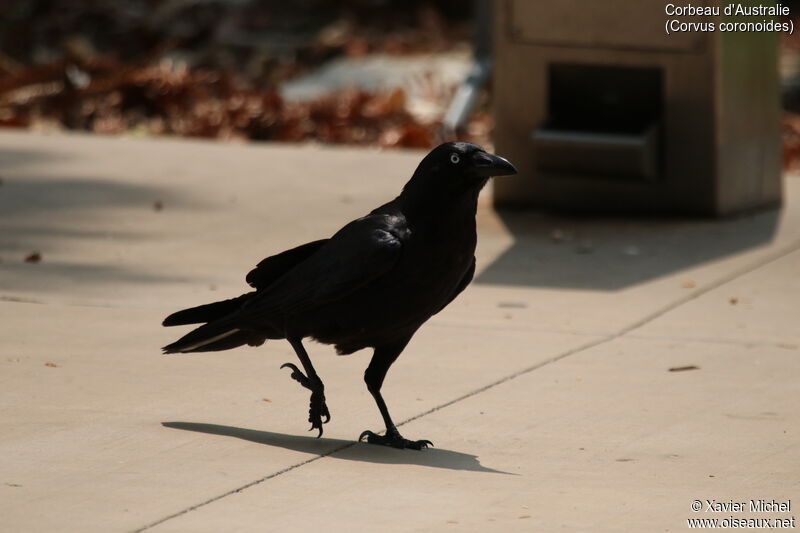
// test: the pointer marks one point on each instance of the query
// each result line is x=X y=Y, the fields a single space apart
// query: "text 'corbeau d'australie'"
x=736 y=17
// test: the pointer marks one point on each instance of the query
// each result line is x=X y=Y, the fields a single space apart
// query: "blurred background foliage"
x=220 y=69
x=216 y=68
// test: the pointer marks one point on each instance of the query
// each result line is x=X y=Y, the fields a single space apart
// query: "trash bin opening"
x=603 y=99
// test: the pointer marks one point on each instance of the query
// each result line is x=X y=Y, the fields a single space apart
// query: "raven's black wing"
x=360 y=253
x=273 y=267
x=357 y=255
x=461 y=284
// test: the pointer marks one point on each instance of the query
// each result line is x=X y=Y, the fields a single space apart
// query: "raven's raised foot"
x=301 y=378
x=395 y=440
x=317 y=408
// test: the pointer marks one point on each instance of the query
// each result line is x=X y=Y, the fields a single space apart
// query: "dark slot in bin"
x=602 y=121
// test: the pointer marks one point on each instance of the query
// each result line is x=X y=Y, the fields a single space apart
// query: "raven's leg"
x=317 y=408
x=382 y=359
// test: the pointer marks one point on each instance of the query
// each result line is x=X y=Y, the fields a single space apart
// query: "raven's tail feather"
x=220 y=335
x=207 y=312
x=234 y=340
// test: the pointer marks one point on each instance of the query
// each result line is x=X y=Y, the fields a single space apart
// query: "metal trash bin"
x=601 y=110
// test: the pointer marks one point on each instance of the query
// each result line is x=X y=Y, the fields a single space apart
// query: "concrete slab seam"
x=240 y=489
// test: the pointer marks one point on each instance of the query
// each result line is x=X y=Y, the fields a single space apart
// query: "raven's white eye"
x=454 y=159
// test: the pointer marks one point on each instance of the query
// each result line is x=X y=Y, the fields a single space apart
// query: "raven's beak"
x=489 y=165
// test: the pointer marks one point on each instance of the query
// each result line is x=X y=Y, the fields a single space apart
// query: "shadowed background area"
x=609 y=254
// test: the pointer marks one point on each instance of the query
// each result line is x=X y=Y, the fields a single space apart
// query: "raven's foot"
x=395 y=440
x=316 y=407
x=316 y=410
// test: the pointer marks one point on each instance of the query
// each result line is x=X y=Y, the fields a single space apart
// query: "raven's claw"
x=395 y=440
x=298 y=375
x=317 y=408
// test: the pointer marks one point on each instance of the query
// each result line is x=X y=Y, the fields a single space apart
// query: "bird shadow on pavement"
x=345 y=449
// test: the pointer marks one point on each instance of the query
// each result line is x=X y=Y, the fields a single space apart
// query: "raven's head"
x=459 y=166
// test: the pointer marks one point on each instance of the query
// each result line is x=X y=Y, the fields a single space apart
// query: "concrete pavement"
x=545 y=387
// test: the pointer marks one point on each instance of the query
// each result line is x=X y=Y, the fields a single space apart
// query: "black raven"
x=371 y=285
